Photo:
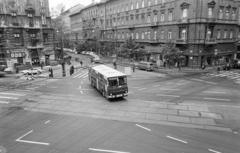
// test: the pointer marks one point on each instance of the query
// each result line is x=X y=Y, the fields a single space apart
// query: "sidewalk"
x=185 y=71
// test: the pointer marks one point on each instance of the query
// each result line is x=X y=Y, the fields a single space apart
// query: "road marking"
x=170 y=89
x=214 y=151
x=30 y=142
x=142 y=89
x=214 y=92
x=176 y=139
x=47 y=122
x=24 y=135
x=13 y=94
x=213 y=83
x=175 y=96
x=102 y=150
x=3 y=97
x=217 y=99
x=143 y=127
x=4 y=102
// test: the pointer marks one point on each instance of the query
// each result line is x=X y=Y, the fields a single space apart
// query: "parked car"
x=148 y=66
x=227 y=66
x=236 y=64
x=34 y=71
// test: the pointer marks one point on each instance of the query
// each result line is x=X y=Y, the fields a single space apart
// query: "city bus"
x=108 y=81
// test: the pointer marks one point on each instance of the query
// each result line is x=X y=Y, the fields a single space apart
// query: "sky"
x=69 y=3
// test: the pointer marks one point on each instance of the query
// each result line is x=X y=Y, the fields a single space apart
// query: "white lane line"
x=214 y=151
x=24 y=135
x=175 y=96
x=217 y=99
x=142 y=89
x=143 y=127
x=13 y=94
x=30 y=142
x=110 y=151
x=4 y=102
x=170 y=89
x=3 y=97
x=199 y=80
x=81 y=75
x=214 y=92
x=176 y=139
x=47 y=122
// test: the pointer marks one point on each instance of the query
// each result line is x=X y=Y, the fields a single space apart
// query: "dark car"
x=236 y=64
x=2 y=68
x=227 y=66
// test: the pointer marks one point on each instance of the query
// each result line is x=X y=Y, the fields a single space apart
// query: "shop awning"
x=48 y=51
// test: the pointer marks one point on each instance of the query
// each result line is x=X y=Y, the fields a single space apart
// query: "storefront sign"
x=18 y=54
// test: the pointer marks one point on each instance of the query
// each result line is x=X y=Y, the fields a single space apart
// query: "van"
x=148 y=66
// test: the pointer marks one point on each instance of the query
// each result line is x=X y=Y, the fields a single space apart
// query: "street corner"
x=3 y=149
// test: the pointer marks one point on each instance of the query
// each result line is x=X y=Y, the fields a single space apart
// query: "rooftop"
x=107 y=72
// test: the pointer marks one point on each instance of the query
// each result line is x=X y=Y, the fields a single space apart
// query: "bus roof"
x=107 y=72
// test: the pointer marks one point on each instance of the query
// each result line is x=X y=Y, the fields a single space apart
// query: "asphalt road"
x=161 y=114
x=28 y=132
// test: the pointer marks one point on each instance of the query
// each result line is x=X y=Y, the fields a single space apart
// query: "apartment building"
x=203 y=30
x=26 y=34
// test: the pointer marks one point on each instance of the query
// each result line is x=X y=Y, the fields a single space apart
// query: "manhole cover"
x=2 y=149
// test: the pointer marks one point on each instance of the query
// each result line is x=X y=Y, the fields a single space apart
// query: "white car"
x=34 y=71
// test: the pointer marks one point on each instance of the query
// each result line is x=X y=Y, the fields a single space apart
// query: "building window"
x=131 y=6
x=220 y=13
x=210 y=12
x=170 y=15
x=225 y=34
x=149 y=3
x=156 y=2
x=143 y=35
x=231 y=34
x=184 y=34
x=137 y=6
x=148 y=18
x=155 y=19
x=169 y=35
x=16 y=35
x=227 y=15
x=218 y=34
x=132 y=35
x=149 y=35
x=143 y=4
x=234 y=14
x=155 y=35
x=137 y=36
x=162 y=16
x=185 y=13
x=162 y=34
x=44 y=21
x=209 y=33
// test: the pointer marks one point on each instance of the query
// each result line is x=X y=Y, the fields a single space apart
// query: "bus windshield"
x=113 y=82
x=122 y=81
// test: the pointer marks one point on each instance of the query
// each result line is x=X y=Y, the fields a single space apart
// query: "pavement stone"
x=163 y=111
x=179 y=107
x=158 y=117
x=198 y=108
x=211 y=115
x=202 y=121
x=180 y=119
x=189 y=113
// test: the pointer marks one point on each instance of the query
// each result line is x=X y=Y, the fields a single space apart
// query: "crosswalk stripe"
x=4 y=102
x=3 y=97
x=12 y=94
x=76 y=76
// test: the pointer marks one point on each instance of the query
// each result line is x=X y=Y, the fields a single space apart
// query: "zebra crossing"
x=231 y=75
x=7 y=97
x=81 y=75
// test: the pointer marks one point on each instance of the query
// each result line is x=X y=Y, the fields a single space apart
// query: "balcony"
x=211 y=20
x=131 y=27
x=183 y=21
x=181 y=41
x=34 y=45
x=210 y=41
x=154 y=24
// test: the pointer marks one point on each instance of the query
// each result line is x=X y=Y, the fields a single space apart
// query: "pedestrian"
x=81 y=63
x=72 y=70
x=133 y=67
x=51 y=72
x=41 y=65
x=115 y=65
x=17 y=70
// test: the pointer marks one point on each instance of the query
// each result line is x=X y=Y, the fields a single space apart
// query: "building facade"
x=205 y=31
x=26 y=34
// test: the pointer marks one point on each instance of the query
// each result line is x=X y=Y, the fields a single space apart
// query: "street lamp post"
x=62 y=55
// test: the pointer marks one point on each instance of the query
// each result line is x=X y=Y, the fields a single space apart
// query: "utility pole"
x=62 y=56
